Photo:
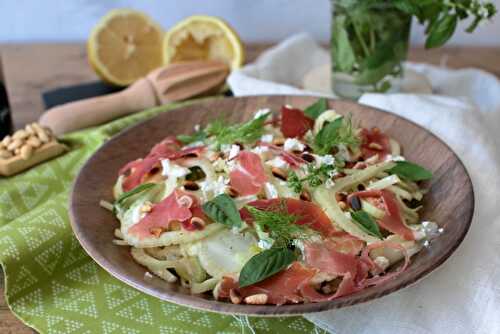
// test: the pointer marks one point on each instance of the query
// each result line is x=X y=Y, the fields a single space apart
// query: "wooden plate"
x=450 y=201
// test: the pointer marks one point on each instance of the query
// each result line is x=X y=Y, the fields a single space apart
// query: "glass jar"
x=369 y=42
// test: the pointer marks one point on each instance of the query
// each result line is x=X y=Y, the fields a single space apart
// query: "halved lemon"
x=124 y=46
x=202 y=37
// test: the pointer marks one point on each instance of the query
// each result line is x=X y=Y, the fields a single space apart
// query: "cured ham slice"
x=294 y=123
x=293 y=160
x=280 y=289
x=374 y=142
x=392 y=221
x=249 y=176
x=169 y=148
x=308 y=213
x=175 y=207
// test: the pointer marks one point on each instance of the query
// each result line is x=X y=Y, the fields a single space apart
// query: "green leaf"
x=265 y=264
x=195 y=174
x=367 y=223
x=222 y=210
x=410 y=171
x=317 y=108
x=128 y=194
x=188 y=139
x=339 y=131
x=441 y=31
x=342 y=52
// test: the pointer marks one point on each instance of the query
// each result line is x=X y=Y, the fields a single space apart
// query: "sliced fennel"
x=384 y=183
x=372 y=210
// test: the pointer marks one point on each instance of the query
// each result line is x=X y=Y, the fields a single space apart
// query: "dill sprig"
x=339 y=132
x=247 y=132
x=280 y=224
x=315 y=176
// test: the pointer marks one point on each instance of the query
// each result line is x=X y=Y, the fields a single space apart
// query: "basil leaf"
x=222 y=210
x=327 y=136
x=367 y=223
x=343 y=55
x=441 y=31
x=128 y=194
x=195 y=174
x=265 y=264
x=410 y=171
x=316 y=109
x=188 y=139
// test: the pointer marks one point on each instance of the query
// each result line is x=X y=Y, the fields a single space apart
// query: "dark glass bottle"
x=5 y=119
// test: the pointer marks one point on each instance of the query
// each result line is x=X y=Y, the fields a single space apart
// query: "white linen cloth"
x=463 y=296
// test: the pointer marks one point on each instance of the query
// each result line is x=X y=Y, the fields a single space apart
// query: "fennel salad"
x=292 y=206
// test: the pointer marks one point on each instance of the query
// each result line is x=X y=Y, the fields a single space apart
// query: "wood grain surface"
x=30 y=69
x=94 y=226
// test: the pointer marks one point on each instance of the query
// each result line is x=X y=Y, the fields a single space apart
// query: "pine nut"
x=234 y=297
x=15 y=144
x=20 y=134
x=34 y=141
x=29 y=129
x=4 y=154
x=257 y=299
x=279 y=173
x=147 y=207
x=41 y=133
x=305 y=196
x=6 y=141
x=232 y=192
x=198 y=223
x=279 y=141
x=342 y=205
x=26 y=152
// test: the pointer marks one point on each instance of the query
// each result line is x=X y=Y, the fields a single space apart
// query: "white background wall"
x=255 y=20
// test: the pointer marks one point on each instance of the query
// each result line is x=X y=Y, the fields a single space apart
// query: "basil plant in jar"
x=370 y=38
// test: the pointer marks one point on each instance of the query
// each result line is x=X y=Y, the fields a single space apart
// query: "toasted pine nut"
x=147 y=207
x=340 y=197
x=15 y=144
x=26 y=152
x=279 y=173
x=34 y=141
x=375 y=146
x=156 y=231
x=279 y=141
x=6 y=141
x=4 y=154
x=342 y=205
x=20 y=134
x=234 y=297
x=232 y=192
x=257 y=299
x=40 y=132
x=29 y=129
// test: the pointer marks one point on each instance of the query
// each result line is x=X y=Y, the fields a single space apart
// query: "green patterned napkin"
x=53 y=286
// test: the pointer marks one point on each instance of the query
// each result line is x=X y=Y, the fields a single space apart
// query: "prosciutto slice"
x=175 y=207
x=374 y=142
x=293 y=160
x=294 y=123
x=392 y=220
x=308 y=213
x=169 y=148
x=249 y=176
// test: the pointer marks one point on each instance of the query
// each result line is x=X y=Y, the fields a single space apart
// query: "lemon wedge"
x=202 y=37
x=124 y=46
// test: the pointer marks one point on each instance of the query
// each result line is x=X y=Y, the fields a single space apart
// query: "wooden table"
x=30 y=69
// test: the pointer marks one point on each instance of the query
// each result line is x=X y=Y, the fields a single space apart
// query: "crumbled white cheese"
x=219 y=165
x=260 y=149
x=211 y=188
x=225 y=148
x=197 y=127
x=268 y=138
x=262 y=112
x=234 y=151
x=173 y=170
x=278 y=162
x=382 y=262
x=427 y=231
x=265 y=244
x=391 y=157
x=147 y=275
x=327 y=159
x=270 y=190
x=293 y=144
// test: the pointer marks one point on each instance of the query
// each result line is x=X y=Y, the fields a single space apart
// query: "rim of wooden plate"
x=86 y=215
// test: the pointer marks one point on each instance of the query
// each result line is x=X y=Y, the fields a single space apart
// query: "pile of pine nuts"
x=25 y=142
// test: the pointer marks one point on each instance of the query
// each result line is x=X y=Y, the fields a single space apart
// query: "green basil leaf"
x=195 y=174
x=410 y=171
x=222 y=210
x=128 y=194
x=367 y=223
x=316 y=109
x=441 y=31
x=343 y=55
x=265 y=264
